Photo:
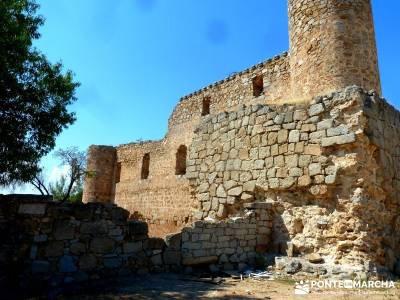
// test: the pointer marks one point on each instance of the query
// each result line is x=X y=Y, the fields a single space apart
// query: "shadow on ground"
x=156 y=286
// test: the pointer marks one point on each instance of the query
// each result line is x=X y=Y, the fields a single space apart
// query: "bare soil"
x=172 y=286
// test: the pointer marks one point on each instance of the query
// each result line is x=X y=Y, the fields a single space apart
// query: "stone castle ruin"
x=297 y=155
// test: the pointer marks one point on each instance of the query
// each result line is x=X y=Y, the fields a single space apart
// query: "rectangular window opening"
x=258 y=86
x=145 y=166
x=118 y=173
x=206 y=106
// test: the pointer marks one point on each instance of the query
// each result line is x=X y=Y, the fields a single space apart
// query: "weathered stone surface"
x=40 y=266
x=293 y=267
x=338 y=140
x=64 y=230
x=32 y=209
x=154 y=243
x=172 y=257
x=78 y=248
x=221 y=192
x=112 y=262
x=222 y=211
x=87 y=262
x=40 y=238
x=315 y=109
x=156 y=259
x=67 y=264
x=235 y=191
x=138 y=228
x=173 y=241
x=315 y=258
x=55 y=248
x=94 y=228
x=190 y=261
x=294 y=136
x=314 y=169
x=102 y=245
x=131 y=247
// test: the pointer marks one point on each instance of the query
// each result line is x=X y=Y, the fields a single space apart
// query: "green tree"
x=59 y=190
x=34 y=94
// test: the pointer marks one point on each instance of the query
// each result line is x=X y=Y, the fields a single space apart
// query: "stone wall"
x=229 y=244
x=164 y=196
x=100 y=185
x=53 y=244
x=237 y=89
x=329 y=167
x=332 y=46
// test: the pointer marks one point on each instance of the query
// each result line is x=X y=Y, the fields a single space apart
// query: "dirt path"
x=170 y=286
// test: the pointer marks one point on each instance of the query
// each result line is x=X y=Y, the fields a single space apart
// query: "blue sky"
x=136 y=58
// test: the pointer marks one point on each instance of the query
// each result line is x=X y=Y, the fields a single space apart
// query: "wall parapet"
x=236 y=89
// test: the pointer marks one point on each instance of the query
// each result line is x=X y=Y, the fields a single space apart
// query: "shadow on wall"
x=75 y=247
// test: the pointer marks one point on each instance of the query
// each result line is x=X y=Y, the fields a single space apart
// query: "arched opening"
x=145 y=166
x=181 y=154
x=206 y=106
x=258 y=85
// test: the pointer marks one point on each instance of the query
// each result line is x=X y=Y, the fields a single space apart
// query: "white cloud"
x=57 y=172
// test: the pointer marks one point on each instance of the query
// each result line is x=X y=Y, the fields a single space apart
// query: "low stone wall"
x=52 y=244
x=228 y=244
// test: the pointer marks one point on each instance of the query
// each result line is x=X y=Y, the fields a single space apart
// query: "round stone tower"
x=100 y=182
x=332 y=46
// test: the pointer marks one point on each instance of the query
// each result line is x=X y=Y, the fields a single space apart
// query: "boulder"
x=315 y=258
x=293 y=267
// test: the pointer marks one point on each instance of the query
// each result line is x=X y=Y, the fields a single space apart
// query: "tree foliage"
x=34 y=94
x=59 y=190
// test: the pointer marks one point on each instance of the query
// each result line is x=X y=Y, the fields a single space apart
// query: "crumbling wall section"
x=318 y=163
